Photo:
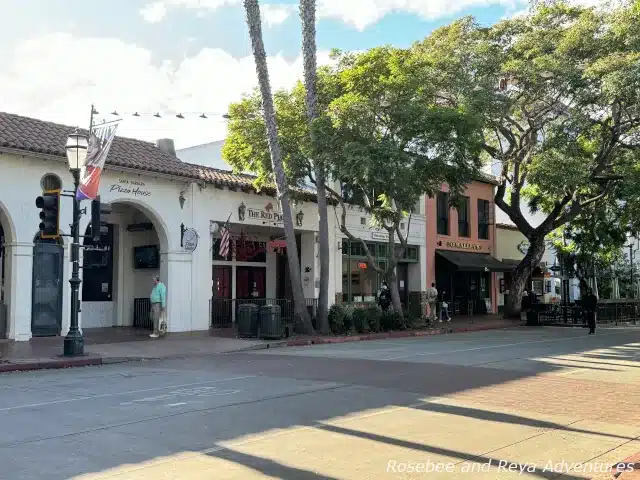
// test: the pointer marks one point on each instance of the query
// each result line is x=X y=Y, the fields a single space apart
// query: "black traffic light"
x=49 y=203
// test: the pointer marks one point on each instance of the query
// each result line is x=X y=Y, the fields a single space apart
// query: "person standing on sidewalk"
x=158 y=299
x=432 y=299
x=590 y=305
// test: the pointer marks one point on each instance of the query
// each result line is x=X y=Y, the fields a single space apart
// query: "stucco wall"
x=188 y=276
x=475 y=191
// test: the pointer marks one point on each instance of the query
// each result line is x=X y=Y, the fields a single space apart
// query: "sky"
x=188 y=57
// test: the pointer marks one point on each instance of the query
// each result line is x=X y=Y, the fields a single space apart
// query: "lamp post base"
x=74 y=344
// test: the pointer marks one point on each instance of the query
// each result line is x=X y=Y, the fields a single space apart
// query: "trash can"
x=271 y=322
x=247 y=320
x=533 y=318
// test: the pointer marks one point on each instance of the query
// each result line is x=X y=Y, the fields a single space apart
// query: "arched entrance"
x=7 y=269
x=47 y=287
x=118 y=270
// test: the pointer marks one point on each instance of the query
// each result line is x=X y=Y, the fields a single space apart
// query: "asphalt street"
x=517 y=403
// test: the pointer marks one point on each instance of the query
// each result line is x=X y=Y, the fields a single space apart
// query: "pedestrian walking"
x=444 y=309
x=432 y=299
x=384 y=297
x=158 y=300
x=590 y=305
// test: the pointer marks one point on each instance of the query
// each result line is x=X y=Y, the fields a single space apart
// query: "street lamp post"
x=77 y=145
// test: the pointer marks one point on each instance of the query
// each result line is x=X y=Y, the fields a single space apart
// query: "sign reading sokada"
x=464 y=246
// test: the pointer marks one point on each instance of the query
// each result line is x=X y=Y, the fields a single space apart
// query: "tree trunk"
x=255 y=33
x=309 y=52
x=392 y=283
x=512 y=308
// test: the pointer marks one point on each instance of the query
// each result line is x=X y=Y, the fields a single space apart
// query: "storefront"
x=361 y=282
x=461 y=248
x=165 y=217
x=549 y=287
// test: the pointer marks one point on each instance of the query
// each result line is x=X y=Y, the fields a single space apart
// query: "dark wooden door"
x=47 y=288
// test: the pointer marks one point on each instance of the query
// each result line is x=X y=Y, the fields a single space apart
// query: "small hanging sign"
x=190 y=240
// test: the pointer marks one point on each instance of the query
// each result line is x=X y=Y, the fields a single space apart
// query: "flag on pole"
x=225 y=240
x=100 y=142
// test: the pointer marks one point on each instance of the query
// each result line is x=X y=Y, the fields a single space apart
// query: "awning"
x=474 y=262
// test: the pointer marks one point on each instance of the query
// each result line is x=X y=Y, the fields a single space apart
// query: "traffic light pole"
x=74 y=341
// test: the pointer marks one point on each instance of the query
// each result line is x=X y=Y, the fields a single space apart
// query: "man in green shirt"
x=158 y=307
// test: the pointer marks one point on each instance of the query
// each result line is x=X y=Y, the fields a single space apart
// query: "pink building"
x=461 y=248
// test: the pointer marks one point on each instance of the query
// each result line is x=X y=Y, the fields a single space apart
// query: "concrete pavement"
x=481 y=405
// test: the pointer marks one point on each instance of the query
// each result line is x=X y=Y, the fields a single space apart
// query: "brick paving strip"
x=41 y=355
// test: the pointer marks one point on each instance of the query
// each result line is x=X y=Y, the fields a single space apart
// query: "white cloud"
x=41 y=79
x=273 y=15
x=358 y=13
x=156 y=11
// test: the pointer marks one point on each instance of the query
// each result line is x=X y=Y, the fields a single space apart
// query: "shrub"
x=336 y=318
x=349 y=325
x=391 y=320
x=374 y=314
x=361 y=320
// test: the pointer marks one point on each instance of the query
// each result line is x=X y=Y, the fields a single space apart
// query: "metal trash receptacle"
x=271 y=322
x=533 y=318
x=248 y=320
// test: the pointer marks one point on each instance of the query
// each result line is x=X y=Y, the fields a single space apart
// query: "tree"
x=380 y=132
x=558 y=93
x=591 y=244
x=255 y=32
x=309 y=51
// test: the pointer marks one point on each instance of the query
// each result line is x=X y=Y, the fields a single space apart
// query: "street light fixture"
x=77 y=146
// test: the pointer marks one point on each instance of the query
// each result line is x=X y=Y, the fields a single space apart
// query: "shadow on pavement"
x=400 y=383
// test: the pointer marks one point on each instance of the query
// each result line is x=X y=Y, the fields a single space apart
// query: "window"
x=51 y=182
x=537 y=286
x=417 y=208
x=442 y=204
x=463 y=217
x=360 y=282
x=483 y=219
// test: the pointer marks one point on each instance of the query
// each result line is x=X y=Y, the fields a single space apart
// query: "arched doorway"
x=47 y=287
x=118 y=270
x=7 y=270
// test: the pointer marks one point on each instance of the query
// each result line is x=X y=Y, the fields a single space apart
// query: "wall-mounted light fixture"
x=299 y=218
x=241 y=211
x=181 y=199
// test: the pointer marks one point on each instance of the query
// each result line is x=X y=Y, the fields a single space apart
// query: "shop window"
x=382 y=250
x=538 y=286
x=463 y=217
x=483 y=219
x=442 y=205
x=360 y=282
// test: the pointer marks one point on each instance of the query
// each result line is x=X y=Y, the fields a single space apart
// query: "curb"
x=398 y=334
x=51 y=364
x=56 y=364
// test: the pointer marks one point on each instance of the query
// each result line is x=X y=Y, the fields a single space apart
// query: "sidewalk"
x=107 y=346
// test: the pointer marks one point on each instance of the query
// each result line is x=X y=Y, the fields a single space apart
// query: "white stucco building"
x=153 y=197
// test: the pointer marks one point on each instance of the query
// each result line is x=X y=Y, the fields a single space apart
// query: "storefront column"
x=309 y=267
x=20 y=303
x=175 y=267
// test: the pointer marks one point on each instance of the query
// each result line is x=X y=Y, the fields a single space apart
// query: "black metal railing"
x=142 y=313
x=609 y=312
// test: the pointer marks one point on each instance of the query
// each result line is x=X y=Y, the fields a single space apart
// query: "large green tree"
x=558 y=92
x=381 y=132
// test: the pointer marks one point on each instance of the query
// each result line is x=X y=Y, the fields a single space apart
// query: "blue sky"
x=148 y=55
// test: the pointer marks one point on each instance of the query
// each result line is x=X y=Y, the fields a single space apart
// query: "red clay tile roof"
x=38 y=136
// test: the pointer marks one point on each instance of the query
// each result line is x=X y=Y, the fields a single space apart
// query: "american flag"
x=225 y=240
